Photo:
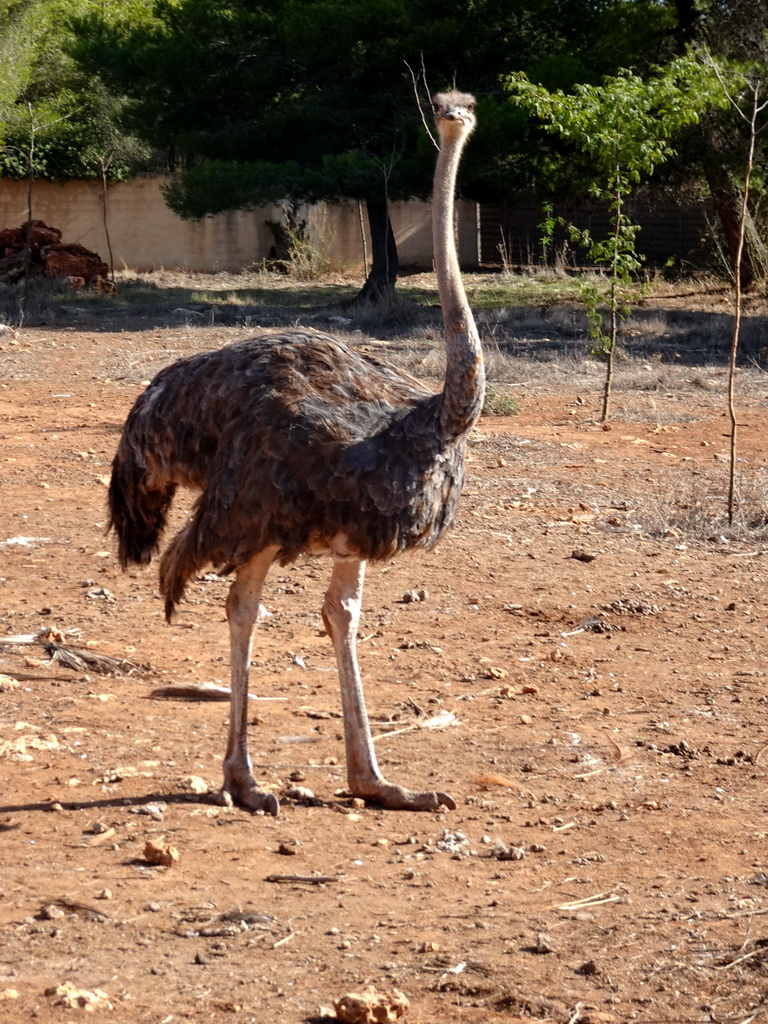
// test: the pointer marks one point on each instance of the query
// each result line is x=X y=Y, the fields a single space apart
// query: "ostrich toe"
x=398 y=798
x=240 y=788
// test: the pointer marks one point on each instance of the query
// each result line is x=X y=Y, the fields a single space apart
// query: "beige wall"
x=146 y=235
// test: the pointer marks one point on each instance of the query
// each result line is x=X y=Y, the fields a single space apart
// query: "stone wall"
x=146 y=235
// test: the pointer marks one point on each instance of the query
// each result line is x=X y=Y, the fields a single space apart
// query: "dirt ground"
x=606 y=860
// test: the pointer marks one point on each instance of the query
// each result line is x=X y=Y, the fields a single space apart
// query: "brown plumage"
x=293 y=439
x=300 y=445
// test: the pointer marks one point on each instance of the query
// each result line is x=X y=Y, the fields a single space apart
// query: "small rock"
x=544 y=944
x=582 y=556
x=494 y=672
x=286 y=850
x=371 y=1006
x=9 y=993
x=453 y=842
x=79 y=998
x=50 y=912
x=589 y=968
x=503 y=852
x=160 y=853
x=299 y=793
x=155 y=811
x=194 y=784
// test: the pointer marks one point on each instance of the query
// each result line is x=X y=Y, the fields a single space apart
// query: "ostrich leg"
x=341 y=614
x=243 y=604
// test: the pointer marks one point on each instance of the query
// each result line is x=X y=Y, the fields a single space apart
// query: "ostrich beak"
x=454 y=115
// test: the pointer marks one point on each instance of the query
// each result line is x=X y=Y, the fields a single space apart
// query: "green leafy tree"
x=300 y=100
x=735 y=34
x=625 y=126
x=55 y=121
x=289 y=102
x=15 y=56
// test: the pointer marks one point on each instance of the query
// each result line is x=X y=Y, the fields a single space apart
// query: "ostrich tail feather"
x=137 y=512
x=179 y=563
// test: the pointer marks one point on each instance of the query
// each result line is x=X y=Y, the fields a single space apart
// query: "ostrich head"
x=454 y=113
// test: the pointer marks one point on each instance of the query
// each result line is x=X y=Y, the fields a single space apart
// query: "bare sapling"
x=744 y=91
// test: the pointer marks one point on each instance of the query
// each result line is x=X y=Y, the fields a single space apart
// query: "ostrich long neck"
x=462 y=397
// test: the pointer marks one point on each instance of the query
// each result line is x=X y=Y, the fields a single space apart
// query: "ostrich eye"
x=436 y=107
x=471 y=108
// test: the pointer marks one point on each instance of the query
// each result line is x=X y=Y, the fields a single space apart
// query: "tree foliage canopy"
x=325 y=87
x=253 y=101
x=55 y=120
x=625 y=127
x=626 y=124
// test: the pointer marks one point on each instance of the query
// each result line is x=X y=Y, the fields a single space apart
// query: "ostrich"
x=299 y=445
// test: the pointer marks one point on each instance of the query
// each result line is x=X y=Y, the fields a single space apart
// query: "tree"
x=734 y=33
x=307 y=84
x=312 y=99
x=15 y=56
x=54 y=119
x=745 y=94
x=625 y=126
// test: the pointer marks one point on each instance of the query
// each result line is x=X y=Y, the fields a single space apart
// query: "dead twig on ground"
x=311 y=879
x=200 y=691
x=439 y=721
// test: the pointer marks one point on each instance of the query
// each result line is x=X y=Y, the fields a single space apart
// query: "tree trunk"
x=379 y=287
x=688 y=24
x=727 y=199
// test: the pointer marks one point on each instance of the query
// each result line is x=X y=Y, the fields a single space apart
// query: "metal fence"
x=511 y=235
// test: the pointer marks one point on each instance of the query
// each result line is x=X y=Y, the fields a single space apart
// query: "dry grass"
x=692 y=506
x=532 y=326
x=499 y=401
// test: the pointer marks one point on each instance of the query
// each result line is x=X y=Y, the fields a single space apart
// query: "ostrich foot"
x=240 y=788
x=397 y=798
